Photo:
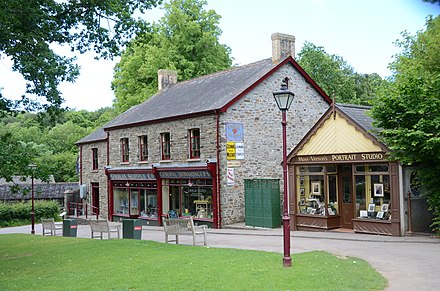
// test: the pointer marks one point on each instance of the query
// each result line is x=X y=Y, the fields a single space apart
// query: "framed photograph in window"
x=316 y=188
x=302 y=192
x=378 y=190
x=312 y=211
x=371 y=207
x=363 y=213
x=384 y=207
x=379 y=215
x=301 y=181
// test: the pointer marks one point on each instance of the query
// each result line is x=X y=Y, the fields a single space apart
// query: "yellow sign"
x=230 y=150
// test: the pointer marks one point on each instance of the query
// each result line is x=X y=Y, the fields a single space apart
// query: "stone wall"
x=95 y=176
x=178 y=130
x=261 y=119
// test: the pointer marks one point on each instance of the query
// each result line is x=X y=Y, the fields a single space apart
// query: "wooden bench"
x=50 y=227
x=185 y=226
x=101 y=226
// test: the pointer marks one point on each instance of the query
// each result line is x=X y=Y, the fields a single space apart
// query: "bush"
x=19 y=213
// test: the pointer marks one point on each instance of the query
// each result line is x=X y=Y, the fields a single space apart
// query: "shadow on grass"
x=30 y=262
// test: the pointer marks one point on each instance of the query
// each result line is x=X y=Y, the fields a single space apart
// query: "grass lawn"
x=33 y=262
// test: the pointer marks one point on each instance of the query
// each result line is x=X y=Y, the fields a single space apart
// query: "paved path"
x=409 y=263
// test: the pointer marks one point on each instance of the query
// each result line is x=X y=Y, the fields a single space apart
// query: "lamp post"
x=32 y=167
x=284 y=98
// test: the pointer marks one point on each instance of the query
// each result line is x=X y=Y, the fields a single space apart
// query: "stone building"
x=189 y=149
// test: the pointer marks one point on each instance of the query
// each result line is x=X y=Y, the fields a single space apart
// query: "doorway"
x=346 y=198
x=95 y=198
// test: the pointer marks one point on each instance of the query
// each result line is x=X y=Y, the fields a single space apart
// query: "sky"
x=362 y=32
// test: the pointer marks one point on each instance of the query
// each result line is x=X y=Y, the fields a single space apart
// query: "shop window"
x=94 y=159
x=373 y=193
x=148 y=205
x=194 y=143
x=135 y=199
x=190 y=197
x=165 y=145
x=120 y=201
x=311 y=193
x=143 y=148
x=125 y=150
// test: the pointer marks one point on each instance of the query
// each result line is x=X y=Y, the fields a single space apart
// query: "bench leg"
x=177 y=239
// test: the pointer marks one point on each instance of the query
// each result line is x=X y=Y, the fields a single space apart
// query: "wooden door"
x=346 y=198
x=95 y=198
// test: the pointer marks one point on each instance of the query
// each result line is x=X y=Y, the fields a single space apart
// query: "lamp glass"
x=284 y=99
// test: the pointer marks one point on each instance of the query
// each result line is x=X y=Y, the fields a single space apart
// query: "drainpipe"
x=80 y=164
x=219 y=216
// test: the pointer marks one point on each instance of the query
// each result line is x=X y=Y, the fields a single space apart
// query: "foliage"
x=222 y=269
x=337 y=78
x=31 y=29
x=13 y=213
x=185 y=40
x=408 y=112
x=28 y=138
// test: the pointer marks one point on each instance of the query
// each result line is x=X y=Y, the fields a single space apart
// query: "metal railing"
x=79 y=209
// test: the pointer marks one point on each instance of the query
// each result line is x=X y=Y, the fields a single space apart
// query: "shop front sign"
x=358 y=157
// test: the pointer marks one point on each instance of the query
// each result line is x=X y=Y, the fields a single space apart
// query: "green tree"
x=29 y=30
x=186 y=39
x=408 y=112
x=337 y=78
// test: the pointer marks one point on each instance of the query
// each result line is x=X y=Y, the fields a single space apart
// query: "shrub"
x=19 y=213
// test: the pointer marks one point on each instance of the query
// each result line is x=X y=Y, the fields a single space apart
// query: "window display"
x=135 y=199
x=373 y=191
x=313 y=194
x=191 y=197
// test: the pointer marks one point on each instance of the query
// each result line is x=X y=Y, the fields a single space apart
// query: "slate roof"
x=97 y=135
x=359 y=114
x=199 y=95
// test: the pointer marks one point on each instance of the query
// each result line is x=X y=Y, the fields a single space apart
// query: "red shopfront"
x=152 y=193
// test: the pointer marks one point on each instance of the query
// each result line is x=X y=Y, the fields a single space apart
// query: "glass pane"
x=134 y=202
x=346 y=187
x=333 y=195
x=360 y=194
x=120 y=201
x=378 y=168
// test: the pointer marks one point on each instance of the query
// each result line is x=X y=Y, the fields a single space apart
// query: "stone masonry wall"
x=261 y=120
x=179 y=141
x=95 y=176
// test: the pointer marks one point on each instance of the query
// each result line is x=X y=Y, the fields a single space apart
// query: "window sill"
x=165 y=161
x=143 y=162
x=125 y=163
x=194 y=160
x=94 y=171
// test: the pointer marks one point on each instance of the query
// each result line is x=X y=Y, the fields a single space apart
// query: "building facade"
x=188 y=149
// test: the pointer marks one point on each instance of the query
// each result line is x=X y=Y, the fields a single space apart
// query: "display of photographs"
x=330 y=211
x=384 y=207
x=302 y=192
x=380 y=214
x=312 y=211
x=371 y=207
x=309 y=209
x=378 y=190
x=316 y=188
x=363 y=213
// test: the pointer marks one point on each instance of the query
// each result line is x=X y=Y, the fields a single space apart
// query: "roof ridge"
x=234 y=68
x=354 y=106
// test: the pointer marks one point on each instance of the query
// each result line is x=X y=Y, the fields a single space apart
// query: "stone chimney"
x=166 y=78
x=283 y=45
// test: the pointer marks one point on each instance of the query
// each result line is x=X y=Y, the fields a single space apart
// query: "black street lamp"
x=32 y=167
x=284 y=98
